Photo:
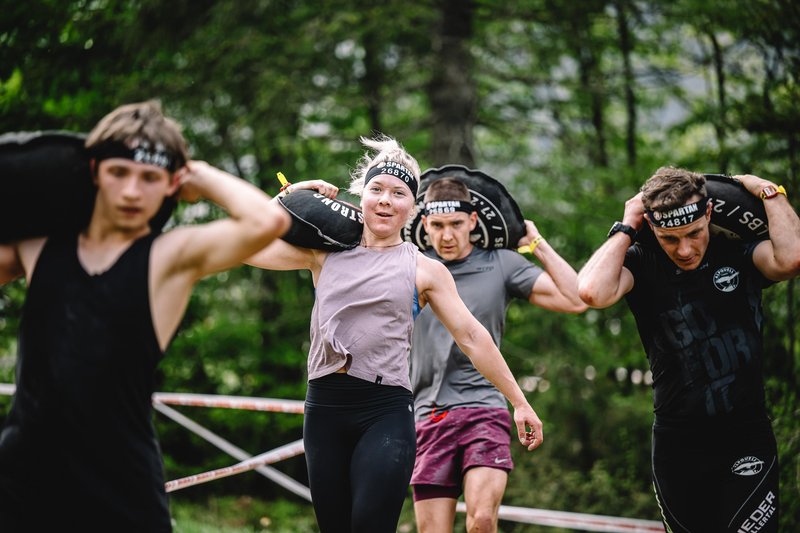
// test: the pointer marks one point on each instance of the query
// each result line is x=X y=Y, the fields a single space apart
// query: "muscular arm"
x=252 y=223
x=604 y=280
x=280 y=255
x=184 y=255
x=436 y=286
x=779 y=257
x=557 y=288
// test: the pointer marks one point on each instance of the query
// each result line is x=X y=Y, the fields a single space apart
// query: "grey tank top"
x=362 y=316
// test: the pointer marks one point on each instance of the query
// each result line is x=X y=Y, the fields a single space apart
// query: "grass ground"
x=243 y=514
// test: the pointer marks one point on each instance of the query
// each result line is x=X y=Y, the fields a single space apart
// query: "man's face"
x=686 y=245
x=449 y=233
x=129 y=193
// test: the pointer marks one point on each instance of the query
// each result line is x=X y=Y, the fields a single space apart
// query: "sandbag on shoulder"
x=735 y=213
x=500 y=222
x=322 y=223
x=46 y=185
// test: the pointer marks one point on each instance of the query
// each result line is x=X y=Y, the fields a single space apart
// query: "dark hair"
x=143 y=121
x=672 y=187
x=447 y=189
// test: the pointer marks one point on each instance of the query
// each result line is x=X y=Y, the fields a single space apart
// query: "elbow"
x=470 y=339
x=578 y=307
x=283 y=221
x=273 y=223
x=569 y=304
x=588 y=294
x=794 y=263
x=790 y=267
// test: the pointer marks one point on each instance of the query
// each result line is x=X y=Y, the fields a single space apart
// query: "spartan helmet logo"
x=726 y=279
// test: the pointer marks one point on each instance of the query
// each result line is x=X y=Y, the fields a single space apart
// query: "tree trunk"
x=372 y=81
x=721 y=120
x=590 y=83
x=626 y=47
x=452 y=92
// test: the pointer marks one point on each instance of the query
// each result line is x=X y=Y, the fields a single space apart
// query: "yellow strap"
x=283 y=180
x=528 y=249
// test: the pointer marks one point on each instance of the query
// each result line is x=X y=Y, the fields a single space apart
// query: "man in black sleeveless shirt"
x=696 y=299
x=102 y=305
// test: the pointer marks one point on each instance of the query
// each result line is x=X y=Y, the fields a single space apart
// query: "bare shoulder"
x=423 y=261
x=167 y=246
x=170 y=255
x=425 y=266
x=430 y=272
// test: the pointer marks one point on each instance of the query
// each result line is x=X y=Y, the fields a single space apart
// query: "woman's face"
x=387 y=203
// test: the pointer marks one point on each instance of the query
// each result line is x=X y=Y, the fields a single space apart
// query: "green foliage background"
x=571 y=104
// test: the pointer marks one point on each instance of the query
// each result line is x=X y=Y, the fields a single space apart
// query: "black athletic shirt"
x=701 y=330
x=79 y=438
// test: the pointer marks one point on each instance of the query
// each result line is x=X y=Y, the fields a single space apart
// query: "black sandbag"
x=46 y=185
x=735 y=213
x=500 y=222
x=322 y=223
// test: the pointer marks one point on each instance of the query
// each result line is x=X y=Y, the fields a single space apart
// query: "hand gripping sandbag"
x=500 y=222
x=46 y=185
x=322 y=223
x=735 y=213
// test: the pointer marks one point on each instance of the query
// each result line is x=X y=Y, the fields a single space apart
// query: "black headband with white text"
x=142 y=152
x=679 y=216
x=443 y=207
x=390 y=168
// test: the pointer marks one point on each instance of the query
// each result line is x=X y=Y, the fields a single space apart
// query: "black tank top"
x=79 y=438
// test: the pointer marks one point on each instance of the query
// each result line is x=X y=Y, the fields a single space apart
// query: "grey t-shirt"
x=442 y=376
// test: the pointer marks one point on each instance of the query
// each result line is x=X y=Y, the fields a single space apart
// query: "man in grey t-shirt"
x=462 y=421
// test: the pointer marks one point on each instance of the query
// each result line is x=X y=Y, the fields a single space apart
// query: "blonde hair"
x=384 y=148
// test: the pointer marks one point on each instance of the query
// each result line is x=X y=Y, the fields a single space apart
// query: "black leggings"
x=717 y=479
x=360 y=447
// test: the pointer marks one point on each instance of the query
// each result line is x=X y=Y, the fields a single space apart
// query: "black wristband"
x=624 y=228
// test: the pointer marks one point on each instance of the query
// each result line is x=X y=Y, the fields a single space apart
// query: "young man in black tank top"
x=696 y=299
x=102 y=305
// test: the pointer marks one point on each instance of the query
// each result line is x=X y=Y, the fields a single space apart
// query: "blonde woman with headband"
x=359 y=424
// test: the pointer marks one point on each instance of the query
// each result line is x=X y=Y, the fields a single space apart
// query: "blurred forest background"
x=572 y=104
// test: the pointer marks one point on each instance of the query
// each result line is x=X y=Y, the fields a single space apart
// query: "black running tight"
x=717 y=479
x=360 y=447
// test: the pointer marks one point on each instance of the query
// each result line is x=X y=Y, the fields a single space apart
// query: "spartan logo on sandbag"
x=726 y=279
